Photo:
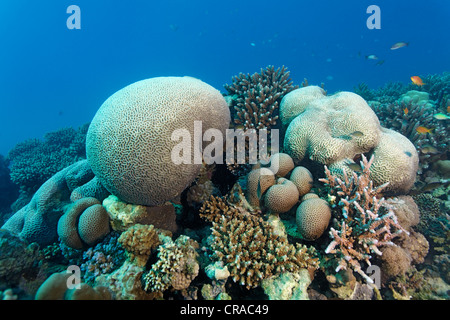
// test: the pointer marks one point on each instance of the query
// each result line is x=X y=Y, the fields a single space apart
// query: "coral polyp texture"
x=277 y=195
x=312 y=217
x=336 y=130
x=37 y=221
x=129 y=142
x=255 y=98
x=249 y=246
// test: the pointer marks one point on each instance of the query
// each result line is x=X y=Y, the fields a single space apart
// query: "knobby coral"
x=176 y=266
x=364 y=222
x=249 y=246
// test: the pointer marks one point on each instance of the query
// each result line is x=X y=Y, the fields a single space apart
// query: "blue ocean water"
x=52 y=77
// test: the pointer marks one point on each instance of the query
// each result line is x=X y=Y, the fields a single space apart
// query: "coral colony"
x=268 y=190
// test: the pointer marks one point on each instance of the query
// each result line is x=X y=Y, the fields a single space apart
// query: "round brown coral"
x=93 y=224
x=281 y=197
x=282 y=163
x=303 y=179
x=313 y=217
x=258 y=181
x=68 y=223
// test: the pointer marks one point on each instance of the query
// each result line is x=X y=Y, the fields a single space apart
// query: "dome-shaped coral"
x=281 y=197
x=68 y=223
x=258 y=181
x=129 y=143
x=93 y=224
x=282 y=163
x=313 y=217
x=303 y=179
x=396 y=161
x=332 y=128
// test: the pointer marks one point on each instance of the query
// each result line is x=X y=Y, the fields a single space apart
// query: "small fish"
x=372 y=57
x=379 y=63
x=252 y=44
x=448 y=109
x=417 y=81
x=423 y=130
x=354 y=166
x=409 y=154
x=399 y=45
x=357 y=134
x=428 y=149
x=441 y=116
x=406 y=110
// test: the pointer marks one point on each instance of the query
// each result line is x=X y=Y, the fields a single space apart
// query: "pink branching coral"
x=365 y=222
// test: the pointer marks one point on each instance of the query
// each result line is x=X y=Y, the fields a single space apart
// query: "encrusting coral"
x=37 y=221
x=131 y=139
x=176 y=266
x=365 y=222
x=256 y=98
x=249 y=246
x=139 y=241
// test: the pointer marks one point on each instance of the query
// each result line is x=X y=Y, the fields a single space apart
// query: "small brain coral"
x=129 y=142
x=84 y=223
x=281 y=197
x=313 y=217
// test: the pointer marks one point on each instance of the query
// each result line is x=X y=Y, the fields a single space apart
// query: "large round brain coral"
x=331 y=128
x=336 y=130
x=129 y=143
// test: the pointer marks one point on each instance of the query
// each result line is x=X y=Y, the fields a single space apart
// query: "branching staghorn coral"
x=256 y=97
x=248 y=245
x=365 y=222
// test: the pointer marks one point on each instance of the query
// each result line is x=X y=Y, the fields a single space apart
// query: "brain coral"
x=303 y=179
x=282 y=196
x=336 y=130
x=331 y=128
x=129 y=143
x=313 y=217
x=85 y=222
x=37 y=221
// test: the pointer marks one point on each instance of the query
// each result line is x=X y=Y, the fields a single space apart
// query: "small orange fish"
x=417 y=81
x=448 y=109
x=423 y=130
x=406 y=110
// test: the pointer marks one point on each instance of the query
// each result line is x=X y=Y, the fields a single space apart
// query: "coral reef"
x=338 y=129
x=277 y=195
x=176 y=266
x=34 y=161
x=139 y=241
x=37 y=221
x=312 y=218
x=365 y=222
x=17 y=257
x=255 y=98
x=249 y=246
x=55 y=288
x=131 y=139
